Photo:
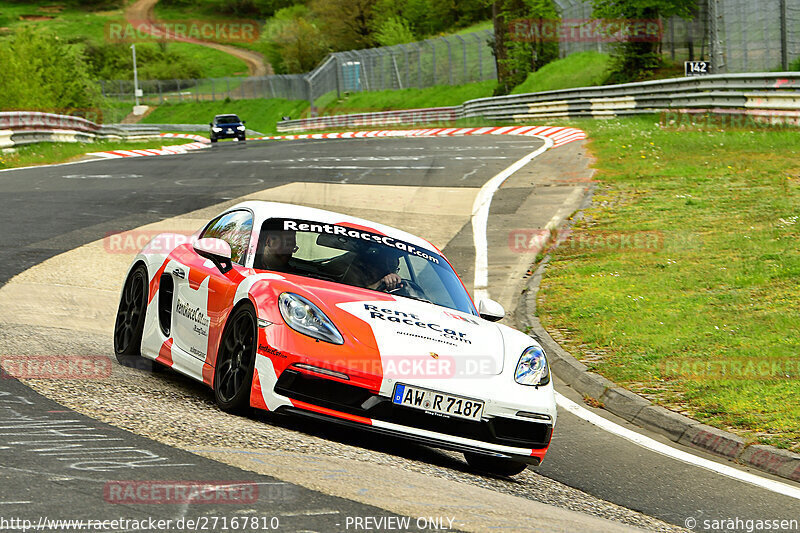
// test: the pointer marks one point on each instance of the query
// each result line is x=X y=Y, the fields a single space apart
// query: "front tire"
x=497 y=466
x=233 y=374
x=129 y=324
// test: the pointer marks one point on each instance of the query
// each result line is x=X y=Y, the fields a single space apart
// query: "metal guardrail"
x=407 y=116
x=772 y=90
x=27 y=127
x=193 y=128
x=761 y=94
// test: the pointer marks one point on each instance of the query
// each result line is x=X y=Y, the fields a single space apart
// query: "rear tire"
x=129 y=325
x=236 y=356
x=213 y=140
x=497 y=466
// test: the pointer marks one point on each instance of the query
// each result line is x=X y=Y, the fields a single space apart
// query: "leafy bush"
x=41 y=72
x=292 y=41
x=394 y=31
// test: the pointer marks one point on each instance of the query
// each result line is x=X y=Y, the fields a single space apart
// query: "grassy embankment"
x=100 y=27
x=261 y=115
x=49 y=153
x=683 y=283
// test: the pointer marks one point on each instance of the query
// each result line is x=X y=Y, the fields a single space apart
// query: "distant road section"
x=142 y=10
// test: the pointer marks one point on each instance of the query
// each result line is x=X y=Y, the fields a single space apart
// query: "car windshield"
x=227 y=119
x=351 y=255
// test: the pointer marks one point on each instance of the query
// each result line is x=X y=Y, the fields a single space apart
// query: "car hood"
x=406 y=330
x=395 y=328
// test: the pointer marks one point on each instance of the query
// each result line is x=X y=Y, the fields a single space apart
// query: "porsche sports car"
x=307 y=312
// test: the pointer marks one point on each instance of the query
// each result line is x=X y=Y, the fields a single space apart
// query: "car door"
x=203 y=294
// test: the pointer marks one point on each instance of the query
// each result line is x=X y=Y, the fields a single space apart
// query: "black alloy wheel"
x=233 y=376
x=129 y=325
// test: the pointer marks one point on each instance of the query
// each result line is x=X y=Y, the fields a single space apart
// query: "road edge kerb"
x=641 y=411
x=199 y=143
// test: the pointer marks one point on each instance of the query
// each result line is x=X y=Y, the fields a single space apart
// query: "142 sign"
x=696 y=68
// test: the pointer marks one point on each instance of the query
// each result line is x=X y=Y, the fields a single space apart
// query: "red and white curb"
x=559 y=136
x=200 y=142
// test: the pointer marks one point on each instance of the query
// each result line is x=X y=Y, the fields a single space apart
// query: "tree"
x=40 y=72
x=517 y=54
x=348 y=24
x=292 y=41
x=639 y=54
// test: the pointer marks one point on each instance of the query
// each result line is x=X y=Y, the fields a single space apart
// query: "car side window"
x=235 y=229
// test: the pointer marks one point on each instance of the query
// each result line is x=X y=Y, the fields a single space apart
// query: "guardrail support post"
x=784 y=45
x=449 y=61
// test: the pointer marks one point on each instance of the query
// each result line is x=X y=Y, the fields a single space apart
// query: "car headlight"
x=240 y=128
x=532 y=368
x=216 y=129
x=306 y=318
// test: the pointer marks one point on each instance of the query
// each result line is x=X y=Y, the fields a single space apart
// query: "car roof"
x=264 y=210
x=226 y=115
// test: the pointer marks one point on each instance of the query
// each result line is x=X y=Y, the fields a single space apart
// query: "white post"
x=135 y=77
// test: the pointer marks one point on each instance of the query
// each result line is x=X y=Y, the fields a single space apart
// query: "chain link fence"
x=451 y=60
x=754 y=36
x=736 y=35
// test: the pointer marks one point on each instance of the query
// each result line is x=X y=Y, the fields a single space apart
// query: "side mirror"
x=490 y=310
x=244 y=122
x=211 y=124
x=217 y=250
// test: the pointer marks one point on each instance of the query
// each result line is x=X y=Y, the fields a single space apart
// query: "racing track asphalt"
x=45 y=212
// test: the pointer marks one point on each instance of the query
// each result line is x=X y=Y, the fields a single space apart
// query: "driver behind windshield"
x=376 y=270
x=278 y=249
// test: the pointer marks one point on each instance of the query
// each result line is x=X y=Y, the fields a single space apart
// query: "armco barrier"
x=26 y=127
x=771 y=94
x=378 y=118
x=33 y=120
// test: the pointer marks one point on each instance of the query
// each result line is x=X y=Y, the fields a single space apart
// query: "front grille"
x=359 y=401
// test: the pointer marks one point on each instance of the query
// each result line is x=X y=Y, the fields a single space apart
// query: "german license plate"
x=437 y=402
x=229 y=130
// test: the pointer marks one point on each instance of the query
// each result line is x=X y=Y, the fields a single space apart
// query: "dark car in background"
x=227 y=127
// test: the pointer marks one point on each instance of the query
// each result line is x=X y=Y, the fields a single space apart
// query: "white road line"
x=14 y=503
x=669 y=451
x=480 y=216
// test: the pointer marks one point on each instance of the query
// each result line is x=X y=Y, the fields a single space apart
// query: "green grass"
x=215 y=64
x=716 y=284
x=49 y=153
x=75 y=23
x=172 y=14
x=582 y=69
x=437 y=96
x=261 y=115
x=478 y=26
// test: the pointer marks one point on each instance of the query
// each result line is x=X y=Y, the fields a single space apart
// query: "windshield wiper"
x=415 y=298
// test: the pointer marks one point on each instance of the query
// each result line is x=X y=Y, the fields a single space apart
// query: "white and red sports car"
x=303 y=311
